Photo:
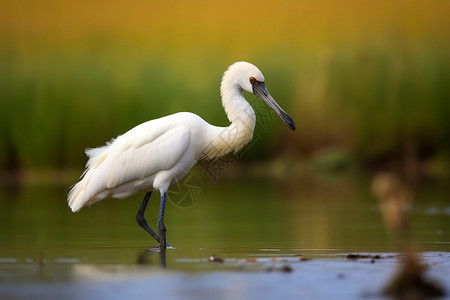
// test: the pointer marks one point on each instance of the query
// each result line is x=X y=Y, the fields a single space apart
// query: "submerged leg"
x=141 y=219
x=161 y=227
x=162 y=257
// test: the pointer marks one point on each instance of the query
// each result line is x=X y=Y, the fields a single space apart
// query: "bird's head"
x=251 y=79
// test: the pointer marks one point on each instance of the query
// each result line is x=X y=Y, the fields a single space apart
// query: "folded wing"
x=139 y=153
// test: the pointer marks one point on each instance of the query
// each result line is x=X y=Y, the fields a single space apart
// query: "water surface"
x=272 y=238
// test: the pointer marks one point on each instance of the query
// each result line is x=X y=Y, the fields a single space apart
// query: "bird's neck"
x=242 y=117
x=238 y=110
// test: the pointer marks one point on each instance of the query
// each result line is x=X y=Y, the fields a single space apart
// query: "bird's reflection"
x=147 y=256
x=162 y=257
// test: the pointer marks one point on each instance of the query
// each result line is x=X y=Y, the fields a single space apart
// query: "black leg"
x=161 y=227
x=141 y=219
x=162 y=257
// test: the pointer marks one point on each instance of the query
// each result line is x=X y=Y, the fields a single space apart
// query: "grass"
x=375 y=102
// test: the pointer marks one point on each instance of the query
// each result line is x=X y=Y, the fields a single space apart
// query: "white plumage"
x=157 y=153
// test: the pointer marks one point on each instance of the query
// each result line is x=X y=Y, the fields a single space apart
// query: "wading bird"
x=158 y=153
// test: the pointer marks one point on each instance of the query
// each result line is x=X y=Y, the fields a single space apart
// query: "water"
x=285 y=238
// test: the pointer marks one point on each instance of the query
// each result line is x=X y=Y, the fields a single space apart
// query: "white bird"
x=158 y=153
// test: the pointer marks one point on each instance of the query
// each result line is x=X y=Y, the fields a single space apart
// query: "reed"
x=375 y=102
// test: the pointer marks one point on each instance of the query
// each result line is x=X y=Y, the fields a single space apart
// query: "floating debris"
x=286 y=269
x=283 y=269
x=367 y=256
x=274 y=259
x=214 y=258
x=302 y=258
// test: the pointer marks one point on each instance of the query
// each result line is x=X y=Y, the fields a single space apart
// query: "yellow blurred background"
x=227 y=26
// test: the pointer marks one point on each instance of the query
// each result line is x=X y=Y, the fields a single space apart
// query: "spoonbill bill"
x=158 y=153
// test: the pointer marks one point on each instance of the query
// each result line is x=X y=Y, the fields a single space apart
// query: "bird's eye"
x=252 y=80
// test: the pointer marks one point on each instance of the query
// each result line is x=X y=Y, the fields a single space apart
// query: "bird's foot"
x=158 y=247
x=153 y=248
x=164 y=246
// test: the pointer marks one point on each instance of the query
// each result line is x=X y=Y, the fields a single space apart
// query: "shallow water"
x=273 y=239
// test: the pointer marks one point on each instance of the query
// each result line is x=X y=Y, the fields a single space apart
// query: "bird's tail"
x=81 y=193
x=76 y=197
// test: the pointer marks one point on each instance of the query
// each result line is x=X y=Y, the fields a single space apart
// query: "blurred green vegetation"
x=373 y=103
x=369 y=81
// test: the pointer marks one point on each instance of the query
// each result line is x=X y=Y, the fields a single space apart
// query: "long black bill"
x=260 y=90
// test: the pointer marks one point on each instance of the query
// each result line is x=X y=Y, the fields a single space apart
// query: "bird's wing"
x=142 y=151
x=146 y=157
